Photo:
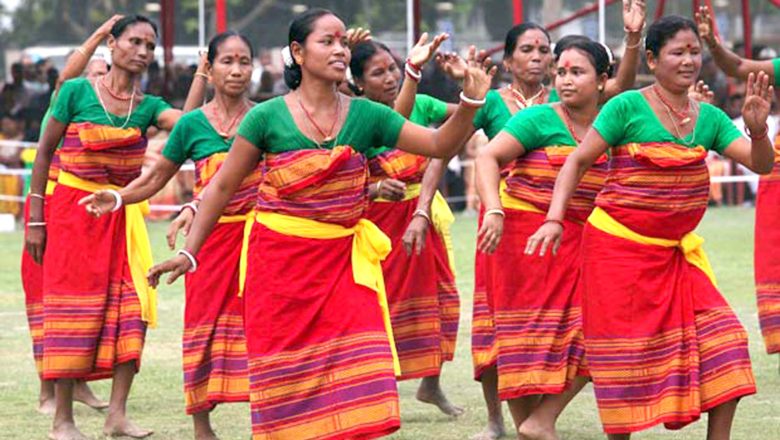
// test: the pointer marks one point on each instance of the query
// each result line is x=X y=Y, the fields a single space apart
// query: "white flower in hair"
x=287 y=56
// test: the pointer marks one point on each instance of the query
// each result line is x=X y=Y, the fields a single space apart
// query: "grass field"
x=157 y=400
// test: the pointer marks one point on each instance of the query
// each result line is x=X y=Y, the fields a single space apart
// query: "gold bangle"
x=82 y=51
x=206 y=77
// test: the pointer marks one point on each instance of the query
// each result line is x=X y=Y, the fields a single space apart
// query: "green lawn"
x=157 y=400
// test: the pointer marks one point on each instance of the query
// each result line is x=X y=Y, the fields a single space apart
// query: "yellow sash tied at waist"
x=50 y=185
x=139 y=252
x=690 y=244
x=369 y=247
x=441 y=217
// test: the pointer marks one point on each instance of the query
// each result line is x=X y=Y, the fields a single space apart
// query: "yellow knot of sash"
x=139 y=252
x=369 y=247
x=441 y=217
x=690 y=245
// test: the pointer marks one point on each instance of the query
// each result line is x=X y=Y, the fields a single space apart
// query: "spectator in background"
x=14 y=94
x=11 y=129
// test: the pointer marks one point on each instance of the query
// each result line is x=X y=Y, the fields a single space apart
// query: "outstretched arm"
x=445 y=142
x=732 y=64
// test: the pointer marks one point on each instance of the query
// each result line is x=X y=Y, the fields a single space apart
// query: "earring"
x=601 y=88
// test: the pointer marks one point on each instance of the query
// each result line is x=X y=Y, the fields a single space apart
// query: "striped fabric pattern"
x=310 y=393
x=215 y=363
x=541 y=350
x=87 y=334
x=711 y=367
x=102 y=153
x=424 y=301
x=32 y=284
x=663 y=181
x=245 y=196
x=398 y=164
x=662 y=344
x=532 y=179
x=214 y=345
x=637 y=169
x=422 y=297
x=484 y=351
x=767 y=259
x=323 y=185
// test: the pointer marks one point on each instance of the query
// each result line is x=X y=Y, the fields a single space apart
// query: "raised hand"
x=701 y=92
x=706 y=25
x=105 y=29
x=183 y=223
x=98 y=203
x=548 y=234
x=414 y=236
x=634 y=15
x=479 y=75
x=356 y=36
x=423 y=51
x=452 y=64
x=176 y=266
x=758 y=102
x=490 y=233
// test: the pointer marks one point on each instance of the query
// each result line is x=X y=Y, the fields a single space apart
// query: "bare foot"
x=435 y=396
x=83 y=393
x=492 y=431
x=66 y=431
x=47 y=405
x=121 y=426
x=531 y=429
x=206 y=436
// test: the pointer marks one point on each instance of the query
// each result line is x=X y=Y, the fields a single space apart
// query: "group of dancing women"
x=318 y=260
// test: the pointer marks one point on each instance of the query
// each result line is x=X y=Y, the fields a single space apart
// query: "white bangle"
x=471 y=102
x=190 y=205
x=416 y=76
x=36 y=224
x=379 y=187
x=193 y=261
x=494 y=211
x=37 y=196
x=117 y=198
x=423 y=214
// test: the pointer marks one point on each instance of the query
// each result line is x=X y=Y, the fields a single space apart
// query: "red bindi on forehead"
x=338 y=34
x=567 y=64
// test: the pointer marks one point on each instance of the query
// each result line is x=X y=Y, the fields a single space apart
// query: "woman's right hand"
x=490 y=233
x=176 y=266
x=423 y=51
x=183 y=223
x=706 y=25
x=105 y=29
x=35 y=242
x=479 y=75
x=452 y=64
x=549 y=233
x=390 y=189
x=98 y=203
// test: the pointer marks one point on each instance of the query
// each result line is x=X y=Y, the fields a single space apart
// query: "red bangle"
x=760 y=137
x=552 y=220
x=416 y=67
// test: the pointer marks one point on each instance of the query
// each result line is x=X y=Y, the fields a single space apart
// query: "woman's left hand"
x=479 y=75
x=356 y=36
x=758 y=102
x=634 y=15
x=701 y=92
x=414 y=237
x=423 y=51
